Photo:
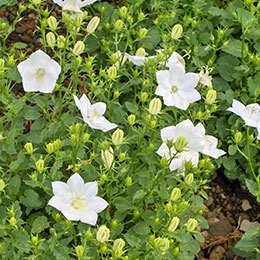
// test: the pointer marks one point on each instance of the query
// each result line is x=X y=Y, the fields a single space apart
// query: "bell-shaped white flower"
x=39 y=73
x=177 y=87
x=138 y=60
x=93 y=114
x=173 y=59
x=77 y=201
x=210 y=147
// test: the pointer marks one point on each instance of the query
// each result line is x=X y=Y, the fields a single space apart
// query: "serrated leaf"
x=138 y=195
x=122 y=204
x=31 y=199
x=131 y=107
x=132 y=240
x=232 y=149
x=252 y=187
x=234 y=48
x=39 y=224
x=141 y=228
x=31 y=113
x=14 y=185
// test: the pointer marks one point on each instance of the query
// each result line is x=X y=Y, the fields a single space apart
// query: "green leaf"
x=199 y=237
x=31 y=199
x=138 y=195
x=232 y=149
x=20 y=45
x=233 y=47
x=141 y=228
x=60 y=252
x=31 y=113
x=132 y=240
x=252 y=187
x=122 y=204
x=14 y=184
x=39 y=224
x=131 y=107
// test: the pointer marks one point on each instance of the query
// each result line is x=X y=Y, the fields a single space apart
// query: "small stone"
x=217 y=253
x=212 y=221
x=246 y=205
x=230 y=254
x=246 y=224
x=205 y=234
x=209 y=201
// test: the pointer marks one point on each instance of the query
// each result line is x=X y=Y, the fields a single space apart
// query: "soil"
x=230 y=210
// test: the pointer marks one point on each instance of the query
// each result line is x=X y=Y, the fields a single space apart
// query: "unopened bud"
x=79 y=250
x=52 y=22
x=85 y=138
x=175 y=251
x=180 y=144
x=2 y=185
x=141 y=16
x=140 y=52
x=50 y=148
x=112 y=72
x=60 y=41
x=192 y=224
x=118 y=244
x=12 y=221
x=168 y=207
x=78 y=48
x=189 y=179
x=78 y=20
x=176 y=31
x=40 y=165
x=143 y=32
x=117 y=137
x=103 y=234
x=34 y=240
x=251 y=139
x=164 y=161
x=57 y=144
x=118 y=252
x=165 y=244
x=211 y=96
x=176 y=194
x=93 y=24
x=28 y=148
x=238 y=137
x=155 y=106
x=108 y=158
x=128 y=181
x=118 y=25
x=143 y=97
x=123 y=11
x=11 y=61
x=131 y=119
x=174 y=224
x=2 y=63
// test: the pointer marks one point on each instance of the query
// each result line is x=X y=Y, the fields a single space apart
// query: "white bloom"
x=177 y=87
x=93 y=114
x=205 y=79
x=138 y=60
x=210 y=147
x=39 y=72
x=250 y=113
x=173 y=59
x=77 y=201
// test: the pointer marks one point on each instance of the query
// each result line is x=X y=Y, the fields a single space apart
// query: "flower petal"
x=97 y=204
x=59 y=203
x=89 y=217
x=60 y=189
x=90 y=189
x=76 y=185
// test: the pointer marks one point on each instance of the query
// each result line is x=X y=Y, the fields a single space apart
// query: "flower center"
x=79 y=204
x=174 y=89
x=39 y=74
x=93 y=115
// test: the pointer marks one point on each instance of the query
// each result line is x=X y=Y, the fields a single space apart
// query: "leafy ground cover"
x=147 y=148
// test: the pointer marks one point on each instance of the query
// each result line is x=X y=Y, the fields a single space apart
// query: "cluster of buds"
x=162 y=243
x=118 y=246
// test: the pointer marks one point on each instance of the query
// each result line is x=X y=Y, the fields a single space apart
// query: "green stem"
x=47 y=107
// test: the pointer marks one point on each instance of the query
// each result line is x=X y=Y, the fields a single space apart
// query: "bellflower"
x=77 y=201
x=177 y=87
x=73 y=5
x=138 y=60
x=39 y=73
x=93 y=114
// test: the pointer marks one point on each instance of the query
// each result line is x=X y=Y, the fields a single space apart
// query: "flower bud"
x=85 y=138
x=143 y=97
x=165 y=244
x=78 y=20
x=164 y=161
x=192 y=224
x=2 y=63
x=168 y=207
x=40 y=165
x=143 y=32
x=57 y=144
x=22 y=8
x=118 y=252
x=93 y=24
x=112 y=72
x=141 y=16
x=34 y=240
x=79 y=250
x=2 y=185
x=189 y=179
x=103 y=234
x=108 y=157
x=176 y=194
x=3 y=26
x=174 y=224
x=155 y=106
x=116 y=94
x=50 y=148
x=36 y=2
x=11 y=61
x=117 y=137
x=128 y=181
x=118 y=25
x=12 y=221
x=180 y=144
x=118 y=244
x=176 y=31
x=52 y=22
x=251 y=138
x=28 y=148
x=140 y=52
x=51 y=39
x=123 y=11
x=114 y=57
x=211 y=96
x=78 y=48
x=114 y=223
x=131 y=119
x=60 y=41
x=157 y=242
x=175 y=251
x=238 y=137
x=78 y=61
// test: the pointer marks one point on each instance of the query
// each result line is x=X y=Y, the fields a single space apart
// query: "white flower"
x=39 y=73
x=197 y=142
x=73 y=5
x=177 y=87
x=120 y=59
x=173 y=59
x=138 y=60
x=77 y=201
x=205 y=79
x=250 y=113
x=93 y=114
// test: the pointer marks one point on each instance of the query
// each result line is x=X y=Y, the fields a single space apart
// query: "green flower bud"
x=143 y=97
x=12 y=221
x=114 y=57
x=251 y=138
x=40 y=165
x=118 y=244
x=165 y=244
x=175 y=251
x=176 y=194
x=121 y=157
x=114 y=223
x=118 y=252
x=180 y=144
x=189 y=179
x=188 y=165
x=85 y=138
x=103 y=234
x=164 y=161
x=155 y=106
x=93 y=24
x=78 y=48
x=50 y=148
x=192 y=224
x=58 y=217
x=79 y=250
x=60 y=41
x=157 y=242
x=2 y=63
x=51 y=39
x=131 y=119
x=211 y=97
x=57 y=144
x=103 y=249
x=123 y=11
x=68 y=223
x=117 y=137
x=104 y=145
x=174 y=224
x=28 y=148
x=52 y=22
x=143 y=32
x=3 y=26
x=78 y=61
x=22 y=8
x=118 y=25
x=36 y=2
x=128 y=181
x=116 y=94
x=168 y=207
x=176 y=31
x=2 y=185
x=140 y=52
x=73 y=139
x=11 y=61
x=34 y=240
x=136 y=213
x=78 y=20
x=108 y=158
x=141 y=16
x=156 y=221
x=112 y=72
x=238 y=137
